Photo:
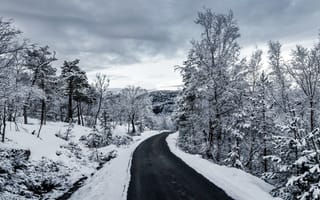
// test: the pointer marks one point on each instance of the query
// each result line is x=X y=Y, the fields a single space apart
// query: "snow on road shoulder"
x=235 y=182
x=111 y=182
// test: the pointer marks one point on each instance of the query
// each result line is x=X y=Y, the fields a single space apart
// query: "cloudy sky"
x=139 y=41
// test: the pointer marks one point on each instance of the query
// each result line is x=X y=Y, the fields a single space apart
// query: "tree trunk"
x=210 y=132
x=15 y=114
x=70 y=111
x=61 y=113
x=219 y=136
x=78 y=112
x=251 y=153
x=98 y=111
x=132 y=124
x=10 y=112
x=238 y=147
x=43 y=113
x=4 y=122
x=218 y=127
x=295 y=133
x=10 y=117
x=265 y=163
x=210 y=149
x=264 y=110
x=311 y=115
x=81 y=116
x=219 y=144
x=25 y=114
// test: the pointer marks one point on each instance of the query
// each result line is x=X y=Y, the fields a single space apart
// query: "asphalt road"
x=157 y=174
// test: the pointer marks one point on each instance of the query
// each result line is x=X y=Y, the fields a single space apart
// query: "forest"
x=32 y=86
x=240 y=112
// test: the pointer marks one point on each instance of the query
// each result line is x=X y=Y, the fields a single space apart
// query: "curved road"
x=157 y=174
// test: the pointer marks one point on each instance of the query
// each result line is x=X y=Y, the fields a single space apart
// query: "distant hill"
x=163 y=101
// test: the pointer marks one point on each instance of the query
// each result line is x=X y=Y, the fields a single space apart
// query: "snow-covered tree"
x=101 y=84
x=304 y=68
x=210 y=62
x=10 y=48
x=75 y=81
x=136 y=105
x=38 y=61
x=279 y=76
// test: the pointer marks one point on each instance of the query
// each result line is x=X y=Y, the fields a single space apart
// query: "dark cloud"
x=104 y=33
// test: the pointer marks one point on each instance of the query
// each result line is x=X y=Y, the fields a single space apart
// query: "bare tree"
x=10 y=47
x=278 y=74
x=254 y=68
x=101 y=84
x=305 y=71
x=217 y=52
x=135 y=102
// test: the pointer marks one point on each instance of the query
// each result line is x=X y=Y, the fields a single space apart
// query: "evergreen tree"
x=75 y=80
x=38 y=61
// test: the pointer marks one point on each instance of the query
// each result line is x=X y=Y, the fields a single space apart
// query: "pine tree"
x=38 y=61
x=75 y=80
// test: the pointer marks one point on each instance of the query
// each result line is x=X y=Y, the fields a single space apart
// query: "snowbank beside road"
x=50 y=158
x=112 y=181
x=235 y=182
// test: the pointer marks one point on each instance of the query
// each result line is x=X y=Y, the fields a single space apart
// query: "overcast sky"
x=139 y=41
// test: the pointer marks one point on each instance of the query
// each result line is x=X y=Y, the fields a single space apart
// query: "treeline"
x=235 y=113
x=31 y=87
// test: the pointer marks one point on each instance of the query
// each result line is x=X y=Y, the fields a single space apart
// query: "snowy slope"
x=79 y=163
x=112 y=181
x=235 y=182
x=48 y=144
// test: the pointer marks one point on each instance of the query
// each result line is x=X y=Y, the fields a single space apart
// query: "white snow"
x=112 y=181
x=49 y=144
x=235 y=182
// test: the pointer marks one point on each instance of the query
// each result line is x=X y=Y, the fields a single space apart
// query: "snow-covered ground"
x=73 y=154
x=49 y=145
x=112 y=181
x=235 y=182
